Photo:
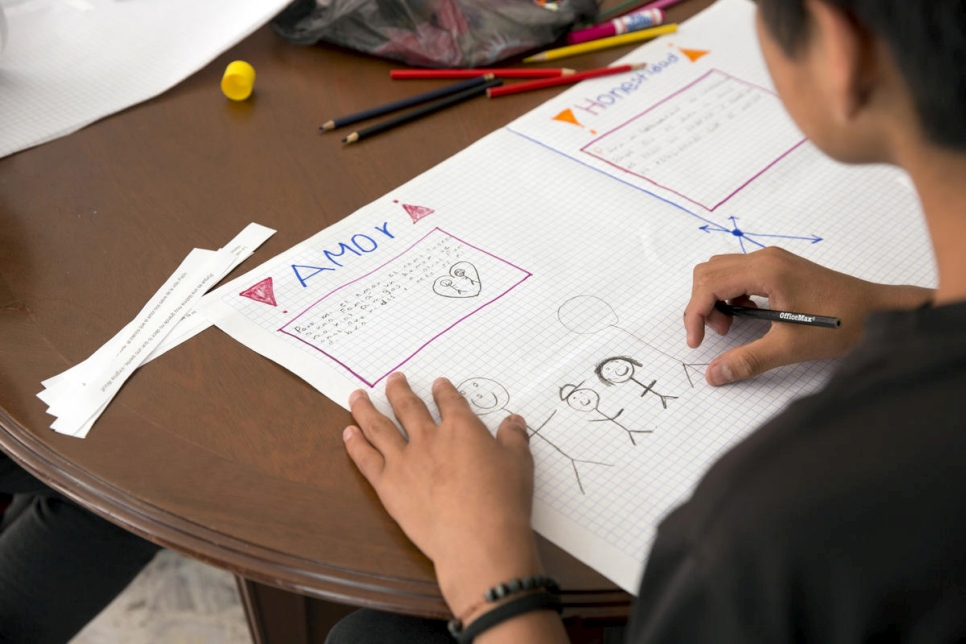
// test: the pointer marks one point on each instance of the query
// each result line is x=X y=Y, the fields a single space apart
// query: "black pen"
x=779 y=316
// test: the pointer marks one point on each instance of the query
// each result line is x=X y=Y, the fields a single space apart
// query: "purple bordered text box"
x=378 y=322
x=705 y=142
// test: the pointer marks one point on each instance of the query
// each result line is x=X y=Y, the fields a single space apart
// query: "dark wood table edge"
x=246 y=560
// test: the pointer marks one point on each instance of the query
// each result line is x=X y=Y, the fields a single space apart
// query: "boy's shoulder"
x=851 y=497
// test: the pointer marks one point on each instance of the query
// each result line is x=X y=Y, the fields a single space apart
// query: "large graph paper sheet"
x=545 y=269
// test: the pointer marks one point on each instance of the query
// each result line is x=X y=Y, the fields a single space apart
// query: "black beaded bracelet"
x=542 y=600
x=500 y=591
x=514 y=586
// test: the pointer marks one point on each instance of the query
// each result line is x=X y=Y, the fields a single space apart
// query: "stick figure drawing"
x=462 y=281
x=486 y=396
x=583 y=399
x=588 y=314
x=620 y=369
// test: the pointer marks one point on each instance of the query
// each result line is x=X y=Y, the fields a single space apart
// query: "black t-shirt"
x=841 y=520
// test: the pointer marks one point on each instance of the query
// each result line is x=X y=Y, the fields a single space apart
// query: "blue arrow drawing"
x=750 y=237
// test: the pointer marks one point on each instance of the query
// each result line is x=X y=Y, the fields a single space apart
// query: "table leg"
x=277 y=616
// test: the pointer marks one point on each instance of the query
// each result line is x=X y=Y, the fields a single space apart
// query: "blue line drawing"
x=743 y=236
x=750 y=237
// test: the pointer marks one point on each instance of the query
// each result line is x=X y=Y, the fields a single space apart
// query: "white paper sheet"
x=68 y=63
x=518 y=267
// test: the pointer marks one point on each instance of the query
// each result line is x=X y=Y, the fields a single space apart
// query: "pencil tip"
x=352 y=138
x=328 y=125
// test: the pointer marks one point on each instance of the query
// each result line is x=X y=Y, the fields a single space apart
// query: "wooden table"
x=212 y=449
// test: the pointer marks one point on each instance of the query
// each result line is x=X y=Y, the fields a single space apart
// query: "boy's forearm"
x=903 y=297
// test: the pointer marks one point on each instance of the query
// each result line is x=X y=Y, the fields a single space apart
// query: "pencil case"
x=433 y=33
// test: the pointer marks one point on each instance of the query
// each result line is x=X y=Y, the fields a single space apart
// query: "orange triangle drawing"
x=261 y=292
x=567 y=116
x=695 y=54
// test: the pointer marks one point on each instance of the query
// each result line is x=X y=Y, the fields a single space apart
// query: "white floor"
x=174 y=600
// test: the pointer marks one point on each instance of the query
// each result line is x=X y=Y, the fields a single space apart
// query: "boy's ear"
x=847 y=53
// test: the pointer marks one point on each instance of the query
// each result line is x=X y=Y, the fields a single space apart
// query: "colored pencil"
x=400 y=74
x=516 y=88
x=603 y=43
x=424 y=110
x=779 y=316
x=416 y=99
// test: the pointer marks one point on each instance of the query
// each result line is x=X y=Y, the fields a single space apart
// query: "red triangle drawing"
x=261 y=292
x=694 y=54
x=417 y=212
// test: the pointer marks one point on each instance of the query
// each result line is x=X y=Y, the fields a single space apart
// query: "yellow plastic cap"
x=238 y=80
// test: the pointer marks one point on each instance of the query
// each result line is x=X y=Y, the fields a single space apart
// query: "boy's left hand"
x=461 y=495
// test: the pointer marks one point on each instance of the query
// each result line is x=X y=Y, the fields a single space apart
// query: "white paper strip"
x=80 y=394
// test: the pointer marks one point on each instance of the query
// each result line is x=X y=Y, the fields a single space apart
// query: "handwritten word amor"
x=358 y=245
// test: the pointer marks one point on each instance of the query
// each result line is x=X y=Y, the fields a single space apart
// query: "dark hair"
x=927 y=40
x=599 y=369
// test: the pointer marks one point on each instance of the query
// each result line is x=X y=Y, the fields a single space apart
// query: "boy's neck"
x=940 y=179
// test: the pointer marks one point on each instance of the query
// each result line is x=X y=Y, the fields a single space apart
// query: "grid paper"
x=705 y=142
x=611 y=260
x=440 y=278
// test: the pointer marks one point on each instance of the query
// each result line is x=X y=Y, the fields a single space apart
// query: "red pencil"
x=493 y=92
x=472 y=73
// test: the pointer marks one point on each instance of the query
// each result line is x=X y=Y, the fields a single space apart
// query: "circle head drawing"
x=616 y=370
x=579 y=398
x=484 y=395
x=586 y=314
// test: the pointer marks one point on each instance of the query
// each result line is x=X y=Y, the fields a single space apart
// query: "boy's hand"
x=461 y=495
x=790 y=283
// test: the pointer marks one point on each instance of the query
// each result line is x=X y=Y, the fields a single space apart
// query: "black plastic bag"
x=433 y=33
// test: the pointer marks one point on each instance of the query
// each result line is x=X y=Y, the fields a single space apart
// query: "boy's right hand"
x=790 y=283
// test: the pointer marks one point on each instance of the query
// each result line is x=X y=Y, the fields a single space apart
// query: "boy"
x=842 y=518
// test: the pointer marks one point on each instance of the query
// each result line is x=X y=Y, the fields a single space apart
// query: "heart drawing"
x=463 y=281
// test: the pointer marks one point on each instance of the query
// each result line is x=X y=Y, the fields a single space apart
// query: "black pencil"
x=479 y=90
x=401 y=104
x=779 y=316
